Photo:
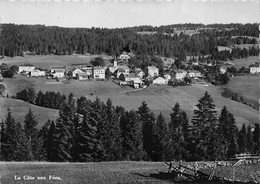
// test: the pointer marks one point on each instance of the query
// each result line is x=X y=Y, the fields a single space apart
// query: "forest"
x=15 y=40
x=93 y=131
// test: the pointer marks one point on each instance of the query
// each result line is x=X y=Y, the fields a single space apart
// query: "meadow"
x=123 y=172
x=159 y=98
x=245 y=62
x=48 y=61
x=247 y=86
x=20 y=108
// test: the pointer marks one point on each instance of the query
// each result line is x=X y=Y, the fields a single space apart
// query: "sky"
x=127 y=13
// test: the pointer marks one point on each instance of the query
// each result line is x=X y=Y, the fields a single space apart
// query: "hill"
x=19 y=109
x=159 y=98
x=163 y=98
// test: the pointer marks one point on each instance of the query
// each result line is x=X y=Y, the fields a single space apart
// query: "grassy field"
x=102 y=173
x=20 y=108
x=247 y=86
x=46 y=62
x=92 y=173
x=159 y=98
x=163 y=98
x=238 y=63
x=79 y=88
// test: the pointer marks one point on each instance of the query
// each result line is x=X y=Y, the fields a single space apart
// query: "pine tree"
x=228 y=133
x=249 y=137
x=178 y=128
x=87 y=145
x=132 y=137
x=63 y=138
x=12 y=146
x=160 y=138
x=31 y=133
x=147 y=120
x=256 y=139
x=39 y=98
x=242 y=140
x=204 y=130
x=112 y=140
x=49 y=145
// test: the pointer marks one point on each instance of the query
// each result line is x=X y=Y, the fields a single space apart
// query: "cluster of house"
x=254 y=68
x=122 y=72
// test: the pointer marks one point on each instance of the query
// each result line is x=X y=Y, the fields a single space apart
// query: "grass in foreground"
x=104 y=172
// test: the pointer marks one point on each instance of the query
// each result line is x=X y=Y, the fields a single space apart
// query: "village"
x=122 y=74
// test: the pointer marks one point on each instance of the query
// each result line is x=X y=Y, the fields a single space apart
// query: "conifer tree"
x=112 y=140
x=242 y=140
x=178 y=128
x=228 y=133
x=31 y=134
x=147 y=120
x=249 y=137
x=87 y=145
x=160 y=137
x=256 y=139
x=204 y=130
x=132 y=137
x=39 y=98
x=12 y=139
x=63 y=138
x=49 y=144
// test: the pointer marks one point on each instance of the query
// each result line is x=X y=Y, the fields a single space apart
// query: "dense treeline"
x=88 y=130
x=49 y=99
x=39 y=39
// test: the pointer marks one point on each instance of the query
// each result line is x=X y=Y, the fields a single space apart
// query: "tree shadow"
x=169 y=177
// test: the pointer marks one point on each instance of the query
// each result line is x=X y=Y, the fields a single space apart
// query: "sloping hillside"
x=19 y=108
x=163 y=98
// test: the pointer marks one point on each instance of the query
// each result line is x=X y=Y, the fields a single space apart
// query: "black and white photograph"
x=129 y=92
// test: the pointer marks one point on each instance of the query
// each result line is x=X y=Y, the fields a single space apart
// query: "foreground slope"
x=19 y=109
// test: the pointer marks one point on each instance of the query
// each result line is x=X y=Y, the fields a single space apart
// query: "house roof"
x=59 y=71
x=255 y=65
x=152 y=68
x=159 y=78
x=76 y=69
x=124 y=67
x=132 y=75
x=82 y=74
x=193 y=71
x=180 y=71
x=99 y=68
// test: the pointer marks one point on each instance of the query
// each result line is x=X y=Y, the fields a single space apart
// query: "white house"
x=223 y=69
x=37 y=73
x=122 y=70
x=254 y=68
x=124 y=56
x=180 y=74
x=160 y=80
x=132 y=77
x=76 y=71
x=152 y=71
x=58 y=68
x=193 y=73
x=59 y=73
x=82 y=76
x=167 y=77
x=26 y=68
x=139 y=72
x=98 y=72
